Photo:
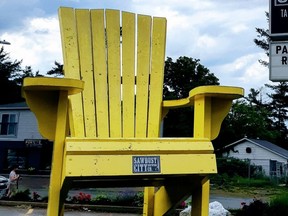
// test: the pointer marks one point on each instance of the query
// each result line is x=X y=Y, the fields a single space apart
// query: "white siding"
x=27 y=127
x=258 y=156
x=257 y=153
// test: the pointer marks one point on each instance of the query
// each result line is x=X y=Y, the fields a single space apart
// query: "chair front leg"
x=55 y=206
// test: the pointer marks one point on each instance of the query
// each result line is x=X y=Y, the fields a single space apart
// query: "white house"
x=20 y=140
x=272 y=158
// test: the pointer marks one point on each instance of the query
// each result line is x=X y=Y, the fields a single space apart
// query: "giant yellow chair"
x=104 y=116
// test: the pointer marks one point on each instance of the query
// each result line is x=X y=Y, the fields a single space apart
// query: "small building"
x=270 y=157
x=20 y=140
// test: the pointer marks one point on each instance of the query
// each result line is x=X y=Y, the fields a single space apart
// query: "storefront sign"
x=33 y=143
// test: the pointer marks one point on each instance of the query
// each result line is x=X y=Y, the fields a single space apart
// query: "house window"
x=16 y=157
x=8 y=124
x=248 y=150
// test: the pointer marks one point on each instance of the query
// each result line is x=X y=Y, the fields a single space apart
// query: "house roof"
x=263 y=144
x=21 y=105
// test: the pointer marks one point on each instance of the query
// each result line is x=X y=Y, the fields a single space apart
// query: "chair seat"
x=146 y=157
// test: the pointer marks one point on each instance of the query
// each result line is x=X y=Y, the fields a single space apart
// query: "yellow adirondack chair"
x=105 y=115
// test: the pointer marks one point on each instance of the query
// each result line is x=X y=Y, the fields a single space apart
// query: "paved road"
x=24 y=211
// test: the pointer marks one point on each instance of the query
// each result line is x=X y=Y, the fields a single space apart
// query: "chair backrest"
x=121 y=57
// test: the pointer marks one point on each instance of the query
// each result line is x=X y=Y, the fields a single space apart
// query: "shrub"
x=101 y=199
x=233 y=166
x=252 y=182
x=124 y=198
x=22 y=195
x=255 y=208
x=36 y=196
x=138 y=199
x=81 y=198
x=279 y=205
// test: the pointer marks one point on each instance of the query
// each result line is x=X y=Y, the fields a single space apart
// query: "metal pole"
x=5 y=42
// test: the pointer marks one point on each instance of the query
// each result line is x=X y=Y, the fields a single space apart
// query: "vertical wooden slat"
x=71 y=66
x=128 y=73
x=157 y=76
x=114 y=76
x=100 y=72
x=86 y=68
x=143 y=70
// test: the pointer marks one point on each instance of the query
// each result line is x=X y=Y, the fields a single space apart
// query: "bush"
x=256 y=208
x=81 y=198
x=22 y=196
x=101 y=199
x=252 y=182
x=235 y=167
x=279 y=205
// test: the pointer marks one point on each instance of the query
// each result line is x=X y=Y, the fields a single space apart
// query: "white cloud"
x=37 y=43
x=244 y=71
x=219 y=33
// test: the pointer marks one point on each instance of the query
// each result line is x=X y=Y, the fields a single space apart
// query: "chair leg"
x=148 y=205
x=200 y=199
x=55 y=205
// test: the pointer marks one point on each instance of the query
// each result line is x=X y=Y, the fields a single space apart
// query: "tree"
x=180 y=77
x=255 y=117
x=278 y=103
x=11 y=78
x=57 y=70
x=263 y=39
x=246 y=119
x=279 y=110
x=183 y=75
x=11 y=91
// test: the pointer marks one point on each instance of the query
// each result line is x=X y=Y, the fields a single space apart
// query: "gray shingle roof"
x=270 y=146
x=264 y=144
x=21 y=105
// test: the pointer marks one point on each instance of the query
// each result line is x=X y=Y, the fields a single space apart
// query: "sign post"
x=278 y=55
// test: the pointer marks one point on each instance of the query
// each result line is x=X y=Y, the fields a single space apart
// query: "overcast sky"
x=218 y=32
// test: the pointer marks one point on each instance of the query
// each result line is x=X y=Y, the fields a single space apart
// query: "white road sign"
x=279 y=61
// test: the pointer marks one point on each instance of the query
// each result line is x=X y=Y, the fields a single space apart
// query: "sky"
x=218 y=32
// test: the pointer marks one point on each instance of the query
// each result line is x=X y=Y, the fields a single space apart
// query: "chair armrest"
x=211 y=105
x=42 y=96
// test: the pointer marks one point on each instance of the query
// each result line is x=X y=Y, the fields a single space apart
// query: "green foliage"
x=252 y=182
x=256 y=208
x=126 y=199
x=138 y=199
x=11 y=76
x=57 y=70
x=235 y=167
x=22 y=195
x=9 y=69
x=183 y=75
x=279 y=205
x=180 y=77
x=101 y=199
x=246 y=119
